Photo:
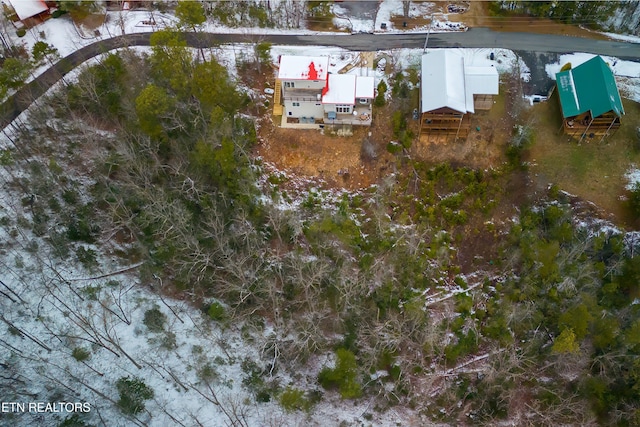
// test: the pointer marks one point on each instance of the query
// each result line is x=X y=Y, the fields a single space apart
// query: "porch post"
x=459 y=126
x=586 y=130
x=609 y=128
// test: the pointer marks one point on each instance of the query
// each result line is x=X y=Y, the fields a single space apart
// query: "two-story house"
x=311 y=96
x=303 y=79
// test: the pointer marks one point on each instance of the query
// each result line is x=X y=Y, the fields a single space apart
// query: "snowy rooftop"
x=483 y=80
x=364 y=86
x=443 y=81
x=342 y=89
x=303 y=67
x=28 y=8
x=480 y=80
x=448 y=82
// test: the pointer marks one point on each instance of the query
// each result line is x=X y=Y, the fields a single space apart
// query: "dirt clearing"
x=336 y=159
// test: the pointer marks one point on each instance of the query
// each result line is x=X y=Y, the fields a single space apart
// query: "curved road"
x=473 y=38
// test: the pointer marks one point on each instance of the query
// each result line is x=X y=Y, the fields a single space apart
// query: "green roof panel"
x=589 y=87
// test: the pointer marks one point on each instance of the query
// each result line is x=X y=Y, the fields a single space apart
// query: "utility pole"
x=426 y=40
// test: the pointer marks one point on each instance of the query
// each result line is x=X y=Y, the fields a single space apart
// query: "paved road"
x=474 y=38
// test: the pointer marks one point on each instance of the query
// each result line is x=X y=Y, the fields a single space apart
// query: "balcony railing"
x=302 y=99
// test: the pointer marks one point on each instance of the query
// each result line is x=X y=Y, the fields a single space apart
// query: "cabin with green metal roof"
x=589 y=99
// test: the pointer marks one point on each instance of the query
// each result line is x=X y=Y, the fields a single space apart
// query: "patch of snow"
x=440 y=22
x=533 y=99
x=633 y=178
x=354 y=24
x=623 y=37
x=386 y=9
x=379 y=374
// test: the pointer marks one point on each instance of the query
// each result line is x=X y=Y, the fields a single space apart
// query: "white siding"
x=303 y=84
x=304 y=109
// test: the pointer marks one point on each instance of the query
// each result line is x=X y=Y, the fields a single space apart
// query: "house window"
x=296 y=104
x=346 y=109
x=289 y=84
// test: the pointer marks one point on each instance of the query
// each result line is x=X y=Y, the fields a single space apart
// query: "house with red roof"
x=302 y=80
x=308 y=95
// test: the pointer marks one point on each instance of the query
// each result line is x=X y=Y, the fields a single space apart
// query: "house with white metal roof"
x=481 y=84
x=451 y=90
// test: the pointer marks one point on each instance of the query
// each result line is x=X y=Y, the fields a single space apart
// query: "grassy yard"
x=593 y=170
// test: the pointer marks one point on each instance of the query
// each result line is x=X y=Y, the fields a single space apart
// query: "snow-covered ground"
x=194 y=365
x=351 y=23
x=389 y=8
x=55 y=307
x=117 y=303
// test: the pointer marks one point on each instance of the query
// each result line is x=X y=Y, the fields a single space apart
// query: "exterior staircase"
x=277 y=99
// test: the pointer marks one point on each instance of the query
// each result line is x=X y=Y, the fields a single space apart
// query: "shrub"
x=79 y=229
x=73 y=421
x=522 y=138
x=80 y=354
x=21 y=32
x=467 y=344
x=394 y=148
x=154 y=319
x=216 y=311
x=71 y=197
x=168 y=341
x=41 y=49
x=379 y=100
x=400 y=87
x=6 y=159
x=293 y=399
x=87 y=257
x=133 y=393
x=254 y=381
x=464 y=304
x=565 y=342
x=208 y=373
x=399 y=123
x=343 y=376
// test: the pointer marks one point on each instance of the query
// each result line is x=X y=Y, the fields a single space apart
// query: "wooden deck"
x=434 y=126
x=599 y=127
